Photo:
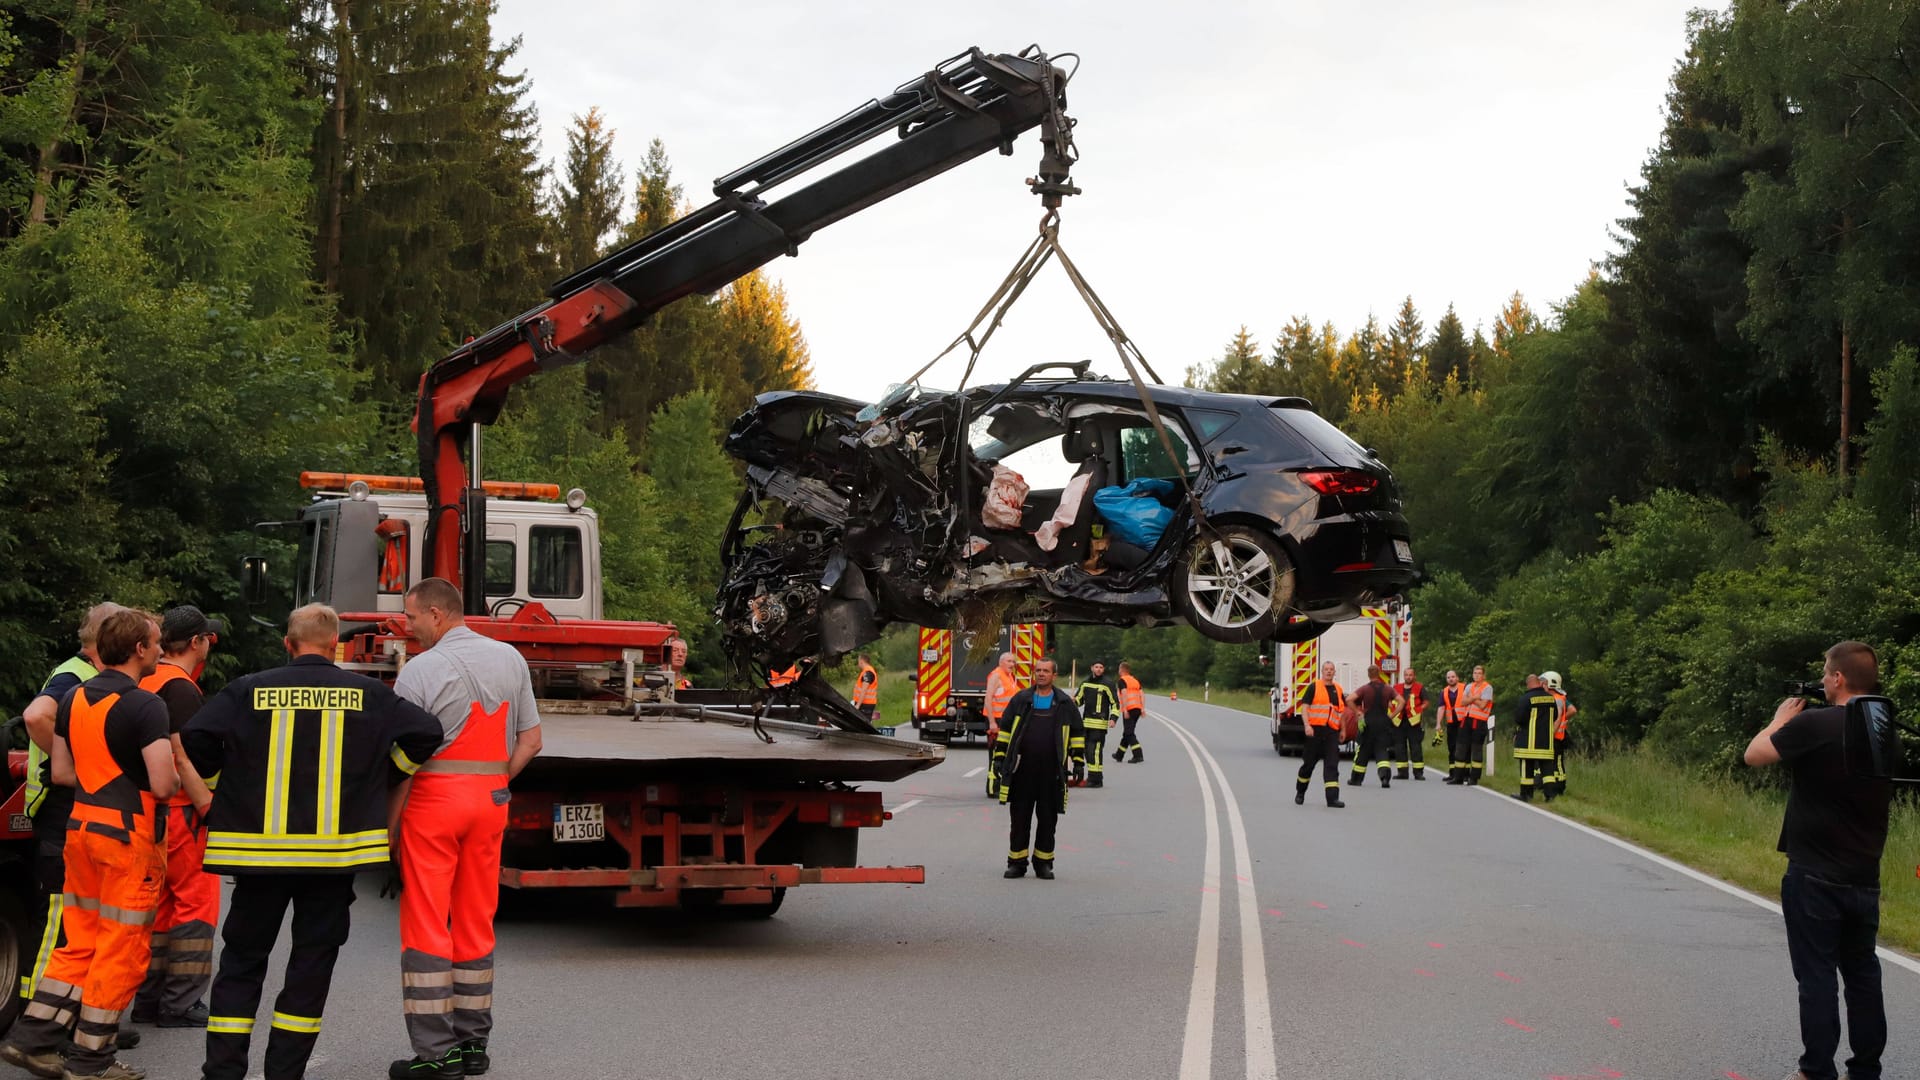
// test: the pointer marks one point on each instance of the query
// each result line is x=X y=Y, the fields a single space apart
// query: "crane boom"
x=964 y=107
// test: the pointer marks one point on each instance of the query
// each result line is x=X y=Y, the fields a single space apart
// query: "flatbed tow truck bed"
x=718 y=747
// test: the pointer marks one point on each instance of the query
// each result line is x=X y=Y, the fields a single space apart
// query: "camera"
x=1811 y=689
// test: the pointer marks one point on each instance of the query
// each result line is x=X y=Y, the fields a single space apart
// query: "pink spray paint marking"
x=1244 y=878
x=1504 y=975
x=1108 y=843
x=1169 y=858
x=1319 y=905
x=1276 y=913
x=1121 y=862
x=1603 y=1074
x=1731 y=1075
x=1423 y=972
x=1068 y=847
x=1208 y=888
x=1435 y=945
x=1511 y=1022
x=1615 y=1021
x=1350 y=941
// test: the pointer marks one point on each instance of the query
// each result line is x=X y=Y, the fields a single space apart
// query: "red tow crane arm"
x=964 y=107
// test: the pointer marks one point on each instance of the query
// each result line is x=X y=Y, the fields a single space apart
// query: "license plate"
x=1403 y=551
x=579 y=822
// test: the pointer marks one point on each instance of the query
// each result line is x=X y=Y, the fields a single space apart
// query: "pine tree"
x=587 y=199
x=1448 y=353
x=1514 y=322
x=1239 y=370
x=1362 y=363
x=1401 y=354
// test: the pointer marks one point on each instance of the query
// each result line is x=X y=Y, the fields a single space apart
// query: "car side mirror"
x=913 y=680
x=253 y=580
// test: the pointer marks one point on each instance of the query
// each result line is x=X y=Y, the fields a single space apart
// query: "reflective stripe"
x=367 y=856
x=333 y=731
x=295 y=842
x=279 y=768
x=402 y=762
x=190 y=944
x=426 y=978
x=87 y=1040
x=230 y=1025
x=212 y=782
x=124 y=916
x=98 y=1015
x=288 y=1022
x=473 y=976
x=472 y=1001
x=49 y=935
x=40 y=1010
x=465 y=768
x=426 y=1006
x=1021 y=854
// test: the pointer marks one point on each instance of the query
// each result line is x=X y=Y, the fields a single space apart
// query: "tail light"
x=920 y=705
x=1341 y=481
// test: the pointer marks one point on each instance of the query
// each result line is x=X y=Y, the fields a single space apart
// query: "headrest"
x=1082 y=442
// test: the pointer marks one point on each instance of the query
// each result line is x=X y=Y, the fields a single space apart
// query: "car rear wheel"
x=1299 y=630
x=1233 y=584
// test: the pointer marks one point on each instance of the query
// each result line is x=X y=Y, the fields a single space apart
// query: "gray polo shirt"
x=464 y=667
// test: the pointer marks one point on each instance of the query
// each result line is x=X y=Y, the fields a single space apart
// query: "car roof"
x=1121 y=391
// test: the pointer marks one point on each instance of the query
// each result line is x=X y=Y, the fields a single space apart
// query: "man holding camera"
x=1835 y=828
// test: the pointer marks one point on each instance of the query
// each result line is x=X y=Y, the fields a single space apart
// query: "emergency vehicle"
x=950 y=691
x=1381 y=636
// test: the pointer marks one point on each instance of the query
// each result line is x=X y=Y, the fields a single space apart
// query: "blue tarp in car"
x=1134 y=513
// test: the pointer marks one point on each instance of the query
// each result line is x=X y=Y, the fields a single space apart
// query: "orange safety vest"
x=1477 y=708
x=1560 y=724
x=1000 y=689
x=1321 y=704
x=1130 y=696
x=105 y=801
x=866 y=687
x=167 y=672
x=1450 y=699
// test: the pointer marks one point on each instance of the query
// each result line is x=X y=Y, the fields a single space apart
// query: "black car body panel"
x=855 y=516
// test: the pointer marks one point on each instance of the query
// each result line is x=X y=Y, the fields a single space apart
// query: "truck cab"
x=361 y=538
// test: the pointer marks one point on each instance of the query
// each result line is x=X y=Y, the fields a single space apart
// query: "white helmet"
x=1551 y=679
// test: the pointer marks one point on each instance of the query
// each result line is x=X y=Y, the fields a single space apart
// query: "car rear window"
x=1324 y=436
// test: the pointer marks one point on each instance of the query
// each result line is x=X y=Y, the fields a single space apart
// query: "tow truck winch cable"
x=1044 y=247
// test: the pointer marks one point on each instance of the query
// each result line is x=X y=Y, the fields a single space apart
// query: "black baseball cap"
x=184 y=623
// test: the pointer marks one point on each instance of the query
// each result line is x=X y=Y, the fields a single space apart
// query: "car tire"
x=1233 y=584
x=17 y=952
x=1299 y=630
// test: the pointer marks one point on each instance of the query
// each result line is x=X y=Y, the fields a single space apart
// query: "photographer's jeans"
x=1830 y=932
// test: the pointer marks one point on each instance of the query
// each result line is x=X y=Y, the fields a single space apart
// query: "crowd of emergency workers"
x=144 y=793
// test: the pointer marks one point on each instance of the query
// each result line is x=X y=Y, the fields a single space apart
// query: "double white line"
x=1196 y=1051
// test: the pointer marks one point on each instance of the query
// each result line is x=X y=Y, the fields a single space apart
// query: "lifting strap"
x=1044 y=247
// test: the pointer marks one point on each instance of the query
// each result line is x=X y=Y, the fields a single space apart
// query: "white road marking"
x=1196 y=1050
x=1256 y=1005
x=977 y=770
x=908 y=805
x=1891 y=957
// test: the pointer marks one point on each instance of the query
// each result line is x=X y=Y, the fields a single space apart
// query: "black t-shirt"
x=1371 y=700
x=182 y=699
x=136 y=721
x=1836 y=824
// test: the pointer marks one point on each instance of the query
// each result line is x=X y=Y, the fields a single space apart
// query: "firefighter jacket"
x=1070 y=747
x=304 y=755
x=1539 y=714
x=1413 y=702
x=1098 y=704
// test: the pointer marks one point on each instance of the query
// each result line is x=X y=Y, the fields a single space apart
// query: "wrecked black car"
x=1049 y=499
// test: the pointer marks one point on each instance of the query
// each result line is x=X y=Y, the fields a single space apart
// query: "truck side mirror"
x=253 y=580
x=913 y=680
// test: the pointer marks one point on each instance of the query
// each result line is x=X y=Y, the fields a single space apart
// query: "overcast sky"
x=1243 y=162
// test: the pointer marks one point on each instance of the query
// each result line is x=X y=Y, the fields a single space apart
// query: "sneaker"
x=1043 y=871
x=1016 y=871
x=51 y=1064
x=115 y=1070
x=448 y=1067
x=473 y=1054
x=194 y=1017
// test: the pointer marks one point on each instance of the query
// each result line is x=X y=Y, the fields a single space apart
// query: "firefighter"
x=1374 y=703
x=1323 y=711
x=1002 y=683
x=1409 y=724
x=1478 y=710
x=1453 y=720
x=110 y=744
x=1132 y=704
x=1098 y=705
x=1539 y=714
x=1041 y=748
x=305 y=754
x=1551 y=680
x=866 y=689
x=455 y=812
x=181 y=963
x=48 y=803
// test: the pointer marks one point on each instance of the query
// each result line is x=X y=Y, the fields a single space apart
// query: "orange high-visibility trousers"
x=112 y=888
x=449 y=849
x=181 y=966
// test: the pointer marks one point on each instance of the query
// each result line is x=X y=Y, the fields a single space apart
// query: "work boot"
x=1043 y=869
x=473 y=1053
x=1335 y=803
x=1120 y=754
x=51 y=1064
x=145 y=1012
x=1386 y=780
x=194 y=1017
x=1097 y=781
x=1138 y=757
x=1454 y=777
x=115 y=1070
x=450 y=1066
x=1356 y=779
x=1015 y=869
x=1300 y=797
x=1420 y=775
x=1401 y=775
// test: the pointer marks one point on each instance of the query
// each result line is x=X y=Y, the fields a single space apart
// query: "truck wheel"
x=1233 y=584
x=15 y=957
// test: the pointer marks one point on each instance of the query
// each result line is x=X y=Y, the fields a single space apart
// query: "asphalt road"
x=1196 y=930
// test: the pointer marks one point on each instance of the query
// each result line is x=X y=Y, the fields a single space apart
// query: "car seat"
x=1084 y=445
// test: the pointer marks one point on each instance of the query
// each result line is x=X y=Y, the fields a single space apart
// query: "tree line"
x=233 y=233
x=1695 y=472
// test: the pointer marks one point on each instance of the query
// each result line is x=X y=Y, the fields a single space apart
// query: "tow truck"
x=658 y=794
